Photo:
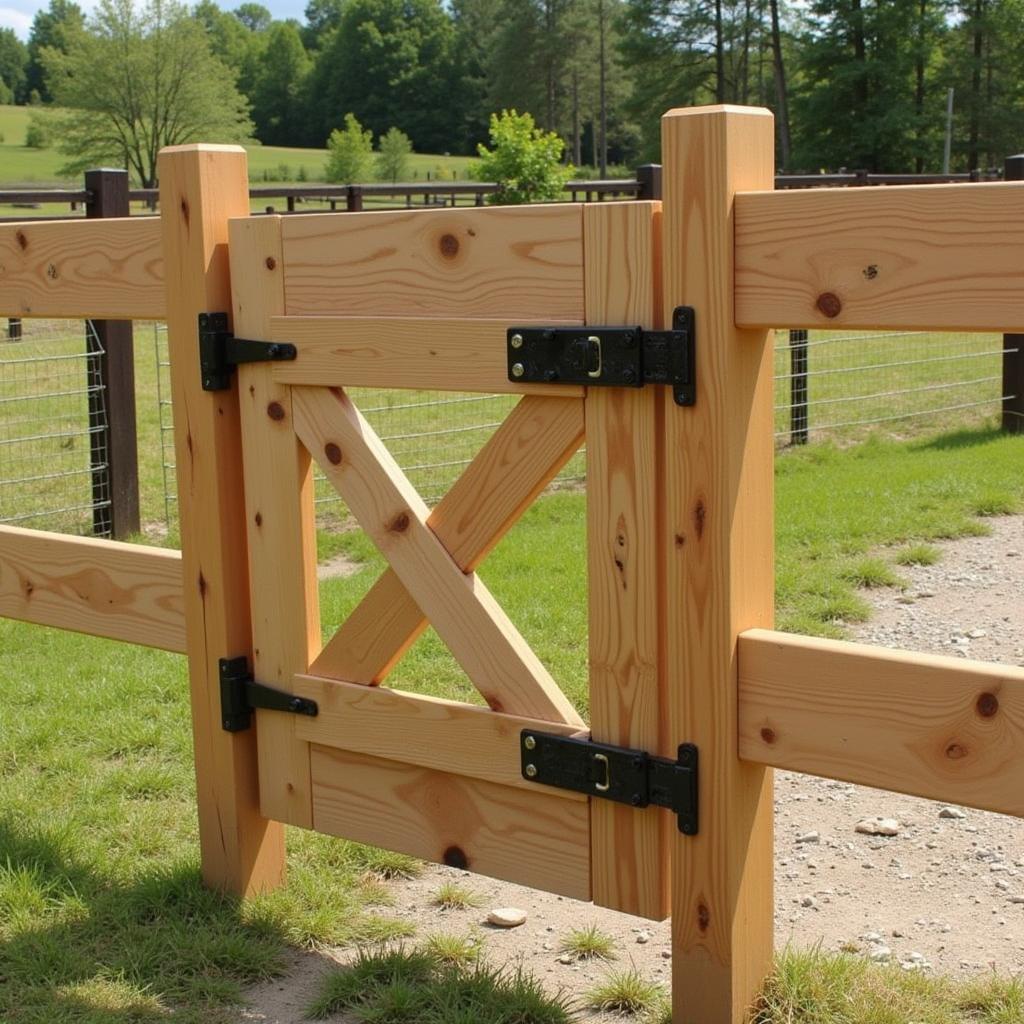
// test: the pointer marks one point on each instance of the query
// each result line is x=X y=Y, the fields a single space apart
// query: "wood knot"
x=22 y=240
x=988 y=705
x=51 y=271
x=275 y=411
x=202 y=585
x=828 y=304
x=185 y=211
x=703 y=916
x=680 y=539
x=449 y=246
x=768 y=735
x=699 y=515
x=333 y=453
x=956 y=752
x=270 y=262
x=259 y=518
x=455 y=857
x=400 y=523
x=29 y=588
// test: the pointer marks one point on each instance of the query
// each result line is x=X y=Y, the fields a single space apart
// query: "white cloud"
x=18 y=20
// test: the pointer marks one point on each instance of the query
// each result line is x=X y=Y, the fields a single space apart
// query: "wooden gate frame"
x=747 y=259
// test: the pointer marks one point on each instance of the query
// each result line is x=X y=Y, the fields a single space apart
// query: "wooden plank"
x=916 y=257
x=485 y=262
x=942 y=728
x=201 y=187
x=403 y=352
x=519 y=460
x=281 y=528
x=719 y=575
x=629 y=848
x=444 y=735
x=111 y=268
x=102 y=587
x=468 y=619
x=535 y=839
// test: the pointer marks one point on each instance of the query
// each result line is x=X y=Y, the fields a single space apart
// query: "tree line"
x=853 y=83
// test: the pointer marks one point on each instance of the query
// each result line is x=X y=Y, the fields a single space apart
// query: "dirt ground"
x=945 y=894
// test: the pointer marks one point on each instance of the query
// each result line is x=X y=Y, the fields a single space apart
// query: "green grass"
x=452 y=896
x=452 y=950
x=918 y=554
x=628 y=993
x=589 y=943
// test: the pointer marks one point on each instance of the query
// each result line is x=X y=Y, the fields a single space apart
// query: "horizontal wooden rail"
x=441 y=734
x=930 y=726
x=120 y=591
x=105 y=269
x=403 y=352
x=920 y=257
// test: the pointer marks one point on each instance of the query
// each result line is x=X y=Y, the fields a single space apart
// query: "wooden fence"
x=679 y=506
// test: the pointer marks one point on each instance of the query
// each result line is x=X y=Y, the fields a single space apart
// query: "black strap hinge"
x=240 y=695
x=220 y=351
x=608 y=356
x=626 y=776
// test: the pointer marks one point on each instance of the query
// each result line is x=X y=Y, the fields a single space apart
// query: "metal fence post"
x=1013 y=344
x=798 y=387
x=111 y=370
x=648 y=177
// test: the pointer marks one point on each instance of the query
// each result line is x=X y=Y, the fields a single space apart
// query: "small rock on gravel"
x=880 y=954
x=809 y=837
x=506 y=917
x=878 y=827
x=952 y=812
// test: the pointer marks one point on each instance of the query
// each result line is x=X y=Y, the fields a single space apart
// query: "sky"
x=18 y=14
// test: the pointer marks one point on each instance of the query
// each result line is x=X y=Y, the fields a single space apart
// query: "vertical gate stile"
x=201 y=188
x=629 y=847
x=279 y=520
x=719 y=577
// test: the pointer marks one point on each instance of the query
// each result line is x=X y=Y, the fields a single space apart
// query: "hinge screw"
x=530 y=743
x=517 y=341
x=531 y=771
x=518 y=369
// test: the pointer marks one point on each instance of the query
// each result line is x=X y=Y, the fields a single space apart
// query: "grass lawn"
x=102 y=917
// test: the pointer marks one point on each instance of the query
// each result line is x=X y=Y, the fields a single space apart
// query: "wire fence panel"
x=53 y=427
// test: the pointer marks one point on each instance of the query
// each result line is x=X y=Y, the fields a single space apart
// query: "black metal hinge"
x=240 y=695
x=631 y=777
x=220 y=351
x=608 y=356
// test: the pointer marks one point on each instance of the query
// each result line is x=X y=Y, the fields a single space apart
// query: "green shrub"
x=37 y=135
x=393 y=156
x=349 y=152
x=523 y=159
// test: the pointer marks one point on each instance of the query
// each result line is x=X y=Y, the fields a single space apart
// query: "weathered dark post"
x=111 y=374
x=648 y=176
x=798 y=387
x=14 y=328
x=1013 y=344
x=354 y=199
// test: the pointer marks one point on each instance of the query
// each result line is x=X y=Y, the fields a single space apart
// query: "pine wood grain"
x=533 y=838
x=485 y=262
x=444 y=735
x=101 y=587
x=943 y=728
x=518 y=461
x=629 y=847
x=718 y=514
x=111 y=268
x=201 y=188
x=485 y=643
x=402 y=352
x=280 y=522
x=916 y=257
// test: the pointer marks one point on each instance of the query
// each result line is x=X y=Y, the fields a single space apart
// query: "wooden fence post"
x=719 y=566
x=1013 y=344
x=201 y=187
x=111 y=369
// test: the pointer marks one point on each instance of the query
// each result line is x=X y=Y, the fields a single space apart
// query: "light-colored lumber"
x=717 y=551
x=485 y=643
x=518 y=461
x=942 y=728
x=444 y=735
x=498 y=262
x=101 y=587
x=629 y=847
x=106 y=269
x=279 y=517
x=201 y=187
x=914 y=257
x=404 y=352
x=535 y=839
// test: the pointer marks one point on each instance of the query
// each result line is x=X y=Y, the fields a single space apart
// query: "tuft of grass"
x=626 y=992
x=452 y=896
x=870 y=573
x=589 y=943
x=918 y=554
x=453 y=950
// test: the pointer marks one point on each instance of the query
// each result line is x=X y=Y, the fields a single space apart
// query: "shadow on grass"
x=968 y=437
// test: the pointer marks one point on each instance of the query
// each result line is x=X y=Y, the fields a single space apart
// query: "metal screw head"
x=518 y=369
x=517 y=341
x=531 y=771
x=530 y=743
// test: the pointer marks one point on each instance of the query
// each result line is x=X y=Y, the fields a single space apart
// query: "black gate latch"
x=240 y=695
x=608 y=356
x=631 y=777
x=220 y=351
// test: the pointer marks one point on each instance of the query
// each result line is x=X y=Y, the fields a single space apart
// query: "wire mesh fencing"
x=53 y=427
